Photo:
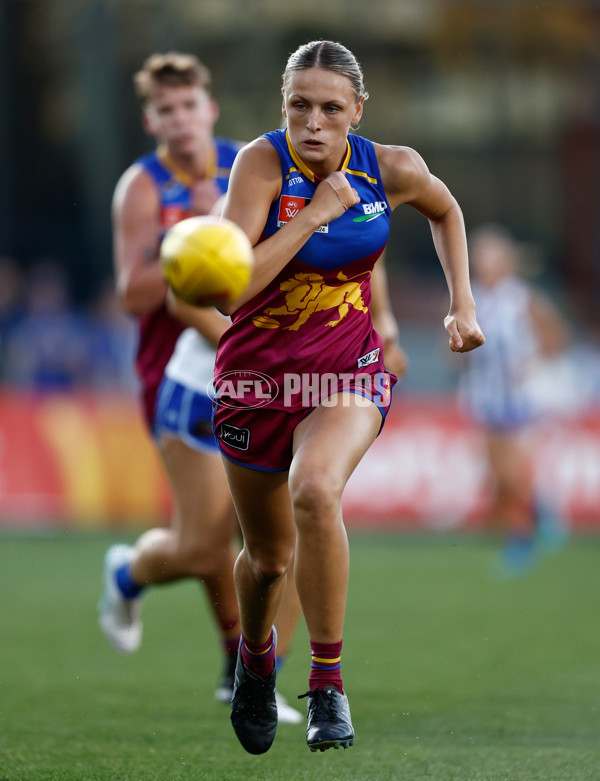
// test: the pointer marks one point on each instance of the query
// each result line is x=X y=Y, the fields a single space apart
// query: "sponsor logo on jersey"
x=371 y=211
x=239 y=438
x=289 y=206
x=170 y=215
x=295 y=180
x=368 y=358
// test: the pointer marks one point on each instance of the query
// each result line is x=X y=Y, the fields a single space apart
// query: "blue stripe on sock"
x=127 y=585
x=264 y=654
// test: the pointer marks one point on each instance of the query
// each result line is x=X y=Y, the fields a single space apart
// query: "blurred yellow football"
x=206 y=260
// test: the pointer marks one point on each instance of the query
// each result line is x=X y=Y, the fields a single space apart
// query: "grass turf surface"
x=451 y=672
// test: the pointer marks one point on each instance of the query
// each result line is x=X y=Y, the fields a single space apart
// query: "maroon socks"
x=259 y=659
x=325 y=666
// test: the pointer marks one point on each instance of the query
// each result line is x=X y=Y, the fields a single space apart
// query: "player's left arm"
x=407 y=179
x=384 y=322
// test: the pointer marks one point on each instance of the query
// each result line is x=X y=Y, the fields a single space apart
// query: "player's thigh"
x=509 y=458
x=263 y=507
x=199 y=486
x=330 y=442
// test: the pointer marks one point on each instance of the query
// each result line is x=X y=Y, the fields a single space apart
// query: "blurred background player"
x=523 y=330
x=184 y=176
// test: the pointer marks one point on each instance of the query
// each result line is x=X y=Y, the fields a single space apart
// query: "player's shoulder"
x=399 y=158
x=134 y=183
x=402 y=168
x=261 y=144
x=260 y=156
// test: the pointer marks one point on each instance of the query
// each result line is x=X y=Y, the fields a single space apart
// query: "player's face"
x=492 y=260
x=181 y=117
x=320 y=106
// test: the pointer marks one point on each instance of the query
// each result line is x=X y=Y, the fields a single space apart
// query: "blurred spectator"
x=11 y=304
x=47 y=350
x=112 y=343
x=505 y=388
x=568 y=384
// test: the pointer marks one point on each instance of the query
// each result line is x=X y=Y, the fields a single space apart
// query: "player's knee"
x=268 y=567
x=314 y=496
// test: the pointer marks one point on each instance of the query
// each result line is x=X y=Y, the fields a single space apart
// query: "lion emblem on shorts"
x=306 y=294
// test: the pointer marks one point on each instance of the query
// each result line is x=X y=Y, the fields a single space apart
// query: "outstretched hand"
x=465 y=333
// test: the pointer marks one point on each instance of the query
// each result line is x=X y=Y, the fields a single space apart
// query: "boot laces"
x=323 y=705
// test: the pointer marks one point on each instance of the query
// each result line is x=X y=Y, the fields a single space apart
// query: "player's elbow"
x=127 y=298
x=448 y=212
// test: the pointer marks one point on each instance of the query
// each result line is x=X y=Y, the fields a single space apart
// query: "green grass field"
x=451 y=673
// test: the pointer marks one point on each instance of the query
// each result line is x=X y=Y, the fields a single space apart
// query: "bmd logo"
x=371 y=211
x=253 y=389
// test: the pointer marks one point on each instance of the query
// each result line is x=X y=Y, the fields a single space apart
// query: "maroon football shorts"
x=257 y=438
x=263 y=437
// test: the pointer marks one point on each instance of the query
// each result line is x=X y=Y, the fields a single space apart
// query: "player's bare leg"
x=261 y=571
x=286 y=622
x=321 y=467
x=265 y=513
x=198 y=545
x=288 y=615
x=513 y=508
x=323 y=461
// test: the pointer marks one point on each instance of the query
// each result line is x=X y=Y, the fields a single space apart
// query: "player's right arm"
x=136 y=231
x=407 y=180
x=254 y=185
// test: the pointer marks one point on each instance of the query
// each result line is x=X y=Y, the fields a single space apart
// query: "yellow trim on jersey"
x=182 y=176
x=362 y=173
x=293 y=170
x=347 y=158
x=303 y=168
